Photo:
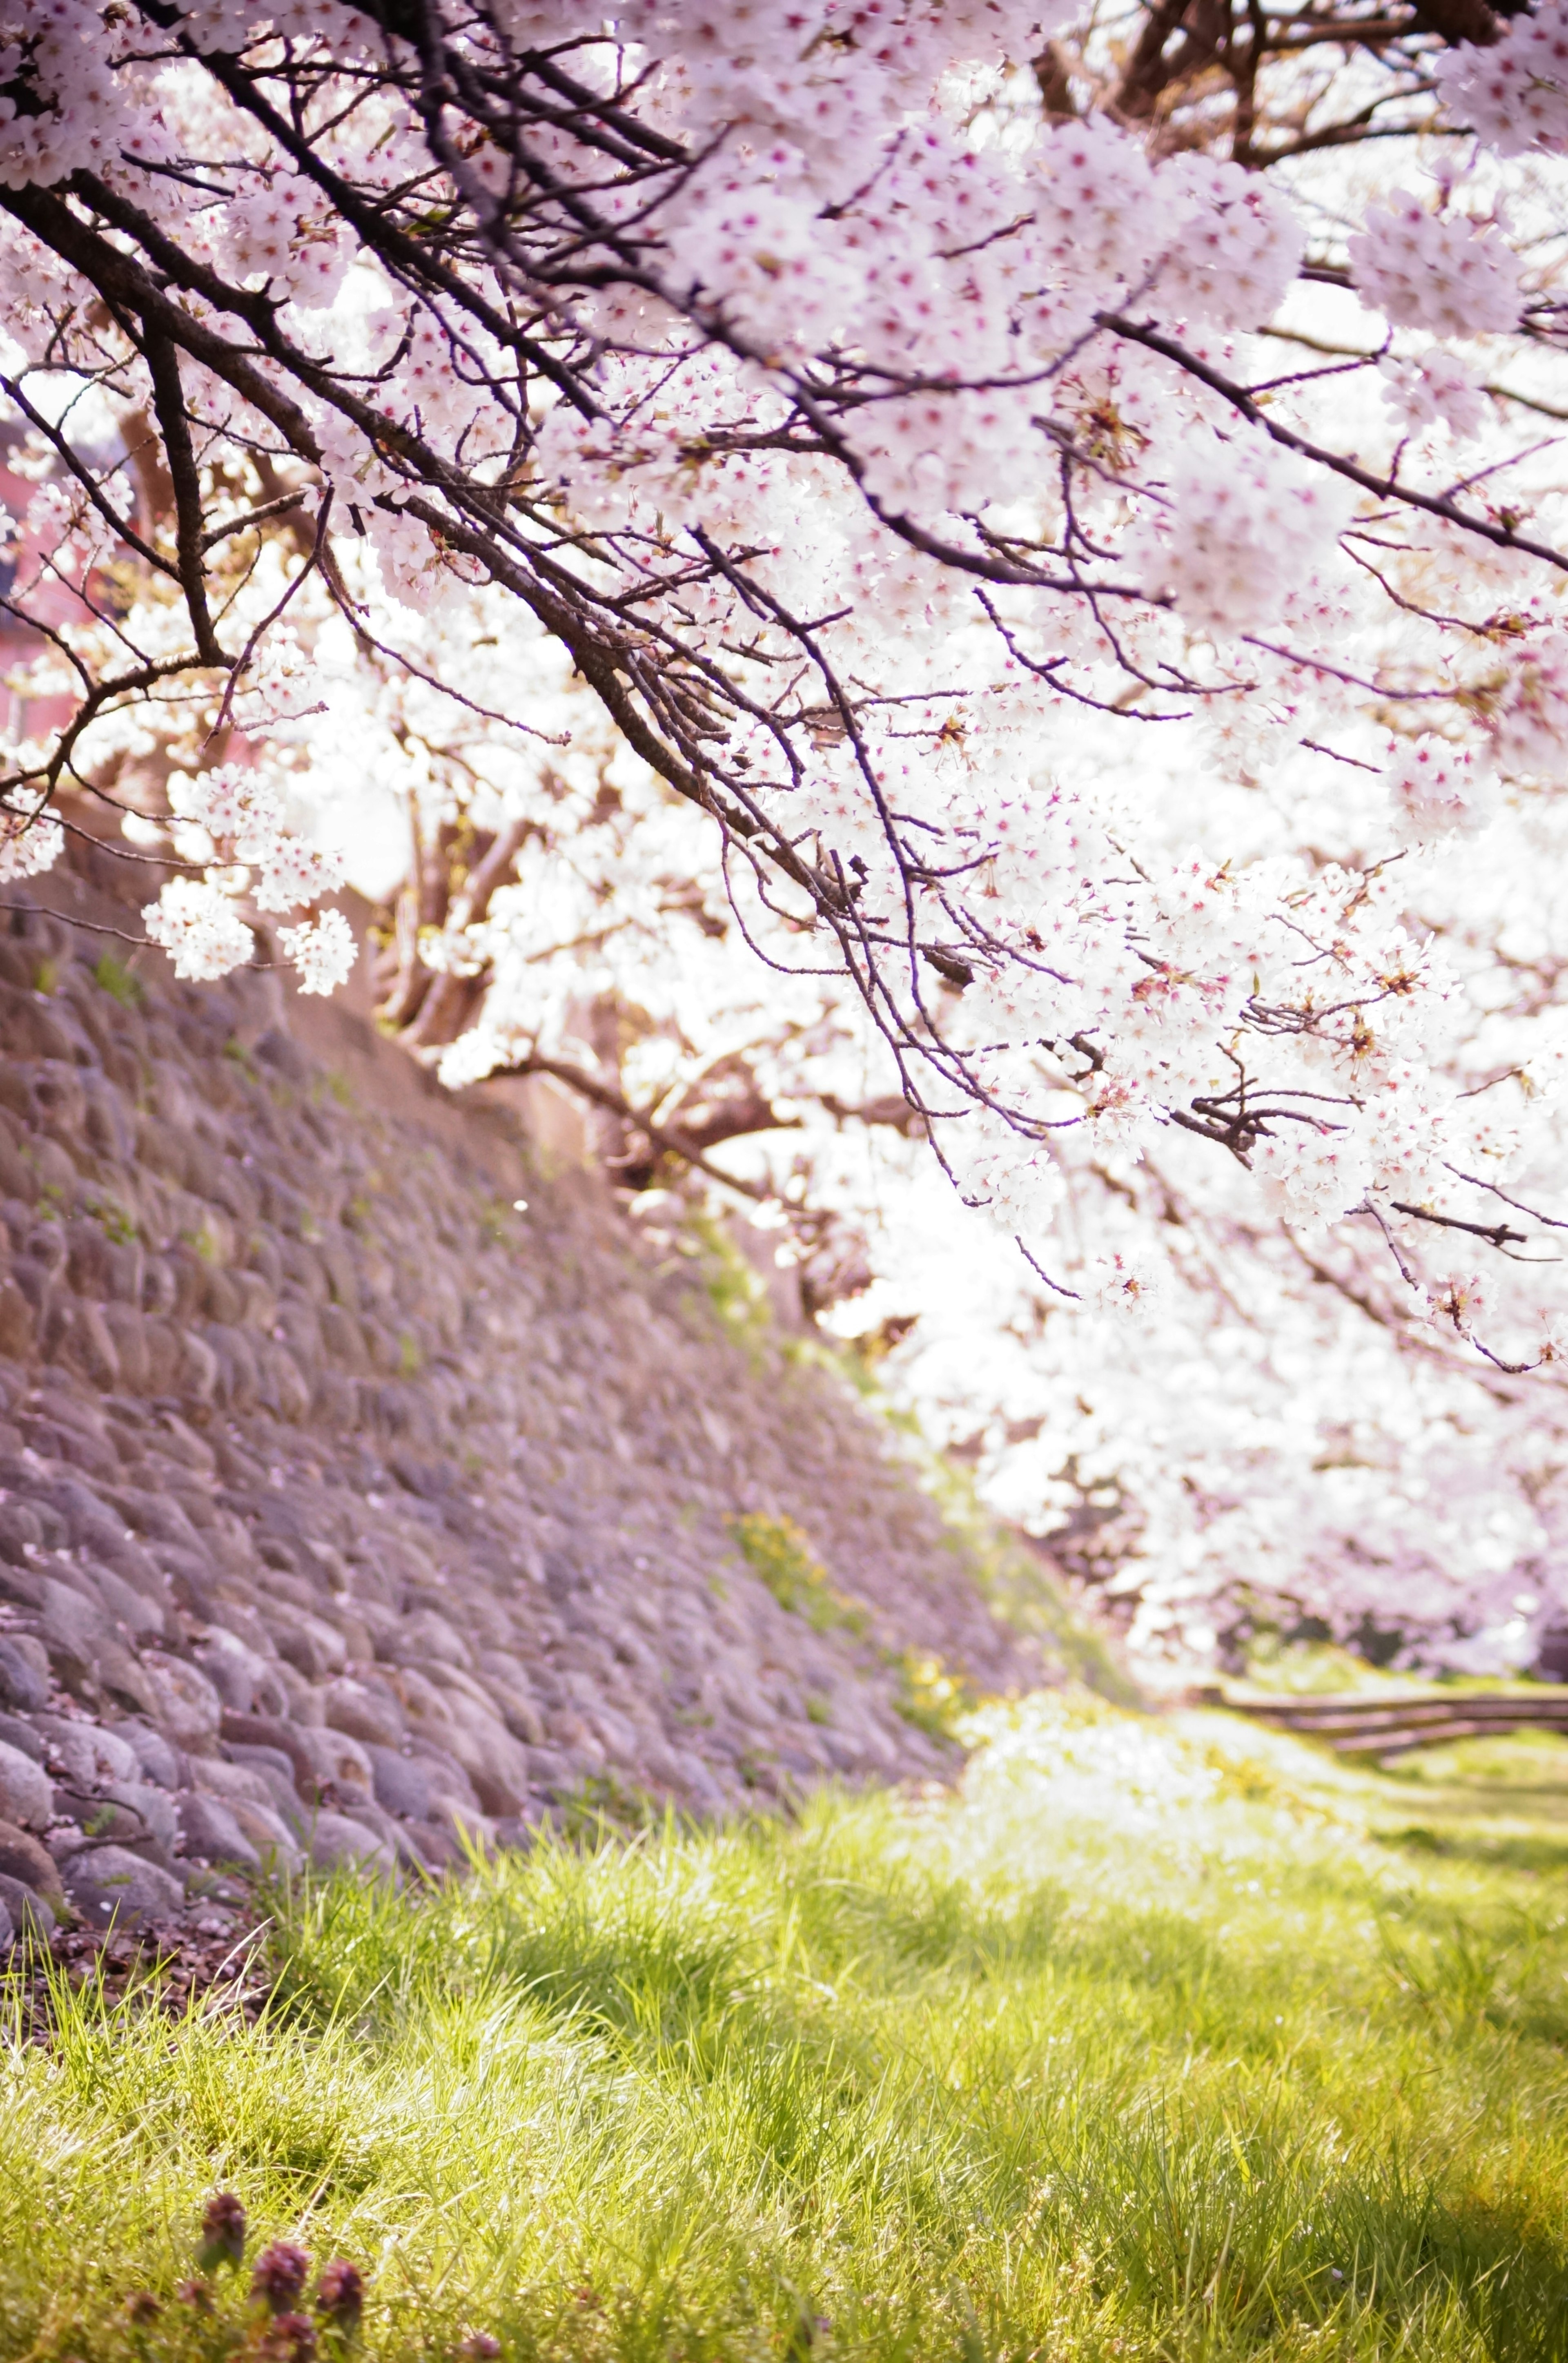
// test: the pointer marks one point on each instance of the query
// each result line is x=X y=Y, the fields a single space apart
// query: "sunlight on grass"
x=1160 y=2039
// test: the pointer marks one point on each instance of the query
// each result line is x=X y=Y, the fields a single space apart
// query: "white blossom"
x=323 y=951
x=1515 y=93
x=1434 y=386
x=295 y=872
x=197 y=924
x=1442 y=272
x=30 y=842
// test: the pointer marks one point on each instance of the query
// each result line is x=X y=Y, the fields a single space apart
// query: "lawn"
x=1159 y=2038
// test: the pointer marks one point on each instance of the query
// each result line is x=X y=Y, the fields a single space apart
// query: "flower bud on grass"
x=287 y=2338
x=340 y=2294
x=278 y=2277
x=223 y=2232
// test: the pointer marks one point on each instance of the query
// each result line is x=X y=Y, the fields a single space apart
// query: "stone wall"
x=342 y=1506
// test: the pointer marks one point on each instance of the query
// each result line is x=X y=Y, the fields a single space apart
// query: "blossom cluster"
x=30 y=841
x=1442 y=272
x=239 y=814
x=1514 y=94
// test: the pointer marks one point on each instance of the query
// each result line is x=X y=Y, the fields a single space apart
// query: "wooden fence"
x=1376 y=1726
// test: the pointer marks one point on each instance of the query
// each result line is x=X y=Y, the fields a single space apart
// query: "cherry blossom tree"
x=958 y=595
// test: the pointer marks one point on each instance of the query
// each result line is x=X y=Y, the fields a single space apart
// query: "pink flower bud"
x=223 y=2232
x=278 y=2277
x=287 y=2338
x=340 y=2293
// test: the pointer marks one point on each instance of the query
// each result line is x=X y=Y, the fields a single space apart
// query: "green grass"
x=779 y=1552
x=1167 y=2040
x=122 y=983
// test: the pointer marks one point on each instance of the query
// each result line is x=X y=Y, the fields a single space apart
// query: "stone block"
x=110 y=1886
x=18 y=1176
x=272 y=1770
x=427 y=1635
x=302 y=1699
x=143 y=1617
x=162 y=1355
x=91 y=1524
x=69 y=1623
x=211 y=1831
x=519 y=1708
x=26 y=1793
x=191 y=1579
x=566 y=1729
x=343 y=1340
x=27 y=1911
x=152 y=1803
x=21 y=1586
x=188 y=1708
x=113 y=1814
x=241 y=1677
x=438 y=1843
x=17 y=1338
x=424 y=1706
x=334 y=1402
x=242 y=1372
x=313 y=1647
x=496 y=1764
x=20 y=1734
x=21 y=1532
x=339 y=1762
x=87 y=1257
x=129 y=1330
x=368 y=1716
x=273 y=1836
x=403 y=1784
x=198 y=1368
x=548 y=1770
x=78 y=1339
x=380 y=1824
x=23 y=1684
x=277 y=1732
x=157 y=1759
x=30 y=1029
x=22 y=1857
x=123 y=1687
x=87 y=1753
x=698 y=1782
x=333 y=1839
x=450 y=1782
x=283 y=1389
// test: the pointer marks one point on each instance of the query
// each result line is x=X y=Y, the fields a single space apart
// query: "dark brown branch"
x=1496 y=1235
x=121 y=527
x=1384 y=487
x=670 y=1140
x=169 y=402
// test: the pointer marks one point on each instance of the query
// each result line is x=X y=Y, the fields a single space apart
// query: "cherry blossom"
x=323 y=951
x=1514 y=93
x=30 y=842
x=197 y=924
x=896 y=608
x=1444 y=273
